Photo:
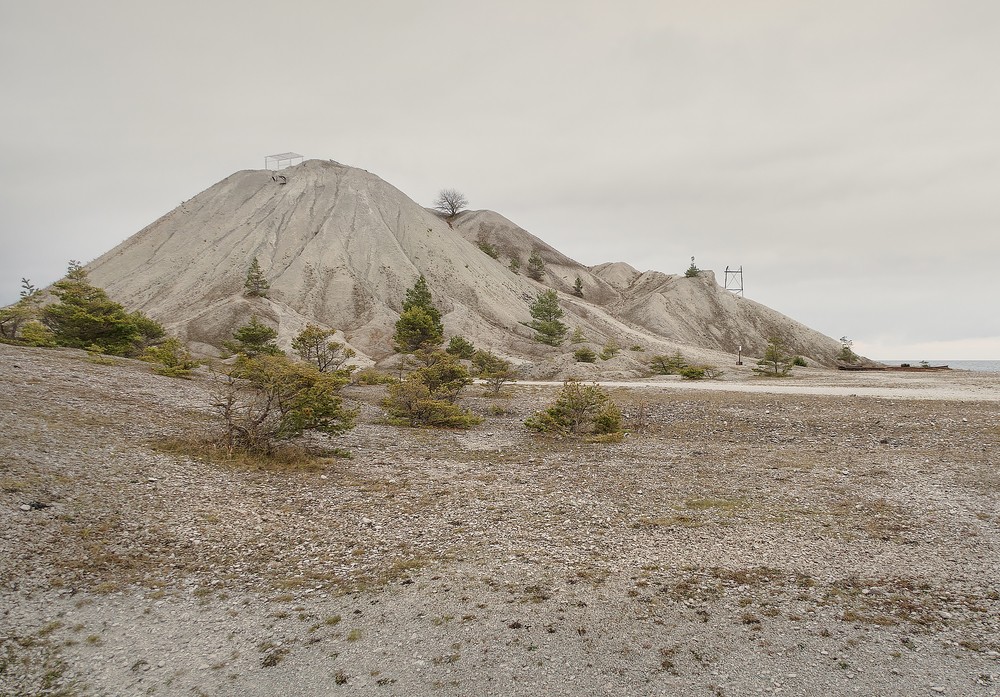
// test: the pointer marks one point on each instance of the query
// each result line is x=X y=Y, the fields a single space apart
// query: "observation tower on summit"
x=282 y=160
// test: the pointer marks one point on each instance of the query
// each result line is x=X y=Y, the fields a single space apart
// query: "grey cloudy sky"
x=846 y=154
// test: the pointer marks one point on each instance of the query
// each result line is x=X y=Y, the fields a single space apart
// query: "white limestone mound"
x=340 y=246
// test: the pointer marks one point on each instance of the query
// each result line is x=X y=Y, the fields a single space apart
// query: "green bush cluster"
x=254 y=339
x=488 y=249
x=426 y=397
x=493 y=370
x=83 y=317
x=579 y=409
x=371 y=376
x=315 y=345
x=676 y=364
x=268 y=398
x=460 y=347
x=171 y=358
x=668 y=365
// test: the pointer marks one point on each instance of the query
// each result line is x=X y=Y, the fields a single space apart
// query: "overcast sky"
x=846 y=154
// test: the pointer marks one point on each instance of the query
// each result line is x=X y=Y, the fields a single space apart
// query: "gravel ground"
x=734 y=543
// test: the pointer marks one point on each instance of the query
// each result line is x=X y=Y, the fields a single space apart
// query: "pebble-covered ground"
x=734 y=543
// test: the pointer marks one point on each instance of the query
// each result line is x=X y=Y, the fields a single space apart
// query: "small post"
x=739 y=355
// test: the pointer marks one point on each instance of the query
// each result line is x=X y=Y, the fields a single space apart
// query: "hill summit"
x=340 y=246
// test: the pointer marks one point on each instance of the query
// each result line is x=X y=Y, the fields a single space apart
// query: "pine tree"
x=86 y=318
x=777 y=362
x=256 y=285
x=24 y=311
x=578 y=287
x=254 y=339
x=547 y=313
x=536 y=267
x=419 y=325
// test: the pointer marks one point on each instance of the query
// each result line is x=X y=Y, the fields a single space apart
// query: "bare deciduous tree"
x=450 y=202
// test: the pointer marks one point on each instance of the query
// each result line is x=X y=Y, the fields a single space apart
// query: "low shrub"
x=585 y=355
x=427 y=396
x=269 y=398
x=493 y=370
x=460 y=347
x=579 y=409
x=371 y=376
x=692 y=372
x=488 y=249
x=172 y=359
x=610 y=350
x=668 y=365
x=410 y=403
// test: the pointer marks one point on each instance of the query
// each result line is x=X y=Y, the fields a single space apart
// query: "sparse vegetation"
x=25 y=311
x=488 y=249
x=493 y=370
x=610 y=350
x=847 y=354
x=419 y=504
x=777 y=362
x=692 y=270
x=700 y=372
x=577 y=337
x=171 y=358
x=579 y=409
x=578 y=287
x=585 y=354
x=515 y=265
x=668 y=365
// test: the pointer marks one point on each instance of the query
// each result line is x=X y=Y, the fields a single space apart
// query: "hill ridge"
x=339 y=246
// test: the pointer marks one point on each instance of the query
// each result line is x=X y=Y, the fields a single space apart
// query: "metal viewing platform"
x=282 y=160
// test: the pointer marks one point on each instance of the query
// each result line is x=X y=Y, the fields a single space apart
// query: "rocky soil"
x=734 y=543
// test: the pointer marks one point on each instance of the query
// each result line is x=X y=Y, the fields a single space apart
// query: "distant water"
x=978 y=366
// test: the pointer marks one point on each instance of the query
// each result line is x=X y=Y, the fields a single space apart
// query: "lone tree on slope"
x=536 y=267
x=256 y=285
x=450 y=202
x=547 y=313
x=419 y=325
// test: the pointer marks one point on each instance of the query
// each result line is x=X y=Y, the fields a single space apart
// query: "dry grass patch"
x=289 y=457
